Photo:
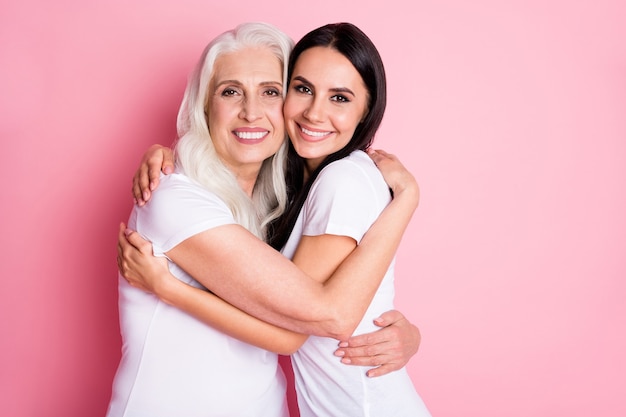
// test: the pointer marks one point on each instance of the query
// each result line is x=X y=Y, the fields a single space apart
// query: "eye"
x=340 y=98
x=301 y=88
x=273 y=92
x=229 y=92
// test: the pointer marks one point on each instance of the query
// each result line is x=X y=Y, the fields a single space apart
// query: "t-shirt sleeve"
x=177 y=210
x=342 y=201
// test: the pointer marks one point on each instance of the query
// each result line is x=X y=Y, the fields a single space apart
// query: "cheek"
x=277 y=114
x=290 y=109
x=348 y=122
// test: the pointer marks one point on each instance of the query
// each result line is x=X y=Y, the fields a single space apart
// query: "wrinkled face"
x=326 y=101
x=244 y=108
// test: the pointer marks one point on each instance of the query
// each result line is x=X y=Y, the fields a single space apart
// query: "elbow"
x=341 y=324
x=289 y=348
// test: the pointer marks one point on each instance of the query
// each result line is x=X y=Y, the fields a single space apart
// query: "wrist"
x=408 y=192
x=165 y=288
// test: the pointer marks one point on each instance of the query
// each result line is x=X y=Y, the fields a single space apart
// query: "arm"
x=139 y=262
x=156 y=159
x=259 y=287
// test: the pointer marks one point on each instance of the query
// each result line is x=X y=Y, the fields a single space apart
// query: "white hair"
x=195 y=154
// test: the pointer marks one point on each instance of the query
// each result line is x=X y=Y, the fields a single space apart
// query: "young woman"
x=227 y=184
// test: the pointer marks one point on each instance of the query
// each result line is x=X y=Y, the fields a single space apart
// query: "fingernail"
x=127 y=232
x=343 y=344
x=145 y=196
x=340 y=353
x=168 y=170
x=346 y=360
x=152 y=187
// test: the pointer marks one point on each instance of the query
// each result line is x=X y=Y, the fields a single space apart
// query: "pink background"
x=512 y=115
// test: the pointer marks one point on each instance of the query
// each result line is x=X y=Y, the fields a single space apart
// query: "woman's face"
x=244 y=107
x=326 y=101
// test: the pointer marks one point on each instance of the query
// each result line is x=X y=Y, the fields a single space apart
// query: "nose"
x=315 y=110
x=251 y=109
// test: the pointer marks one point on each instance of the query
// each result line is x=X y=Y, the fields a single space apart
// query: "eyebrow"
x=334 y=90
x=237 y=82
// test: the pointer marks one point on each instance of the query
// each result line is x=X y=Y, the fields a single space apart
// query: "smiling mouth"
x=251 y=135
x=313 y=134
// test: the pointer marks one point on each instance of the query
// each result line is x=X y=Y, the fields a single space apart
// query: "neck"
x=247 y=182
x=246 y=175
x=310 y=165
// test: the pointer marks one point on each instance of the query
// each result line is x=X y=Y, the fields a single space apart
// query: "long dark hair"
x=352 y=43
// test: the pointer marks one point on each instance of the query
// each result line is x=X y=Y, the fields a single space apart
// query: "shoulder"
x=357 y=162
x=353 y=181
x=354 y=172
x=178 y=191
x=180 y=208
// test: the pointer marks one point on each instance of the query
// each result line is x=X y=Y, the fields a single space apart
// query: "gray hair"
x=195 y=153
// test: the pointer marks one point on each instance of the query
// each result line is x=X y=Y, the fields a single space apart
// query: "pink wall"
x=512 y=117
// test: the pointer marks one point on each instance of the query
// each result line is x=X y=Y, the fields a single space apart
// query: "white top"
x=172 y=364
x=345 y=199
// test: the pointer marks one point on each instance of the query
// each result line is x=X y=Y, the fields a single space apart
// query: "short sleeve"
x=177 y=210
x=344 y=200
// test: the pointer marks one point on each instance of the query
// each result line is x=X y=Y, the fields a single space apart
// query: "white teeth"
x=316 y=134
x=250 y=135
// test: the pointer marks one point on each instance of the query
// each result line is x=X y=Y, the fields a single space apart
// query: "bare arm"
x=333 y=309
x=389 y=348
x=138 y=263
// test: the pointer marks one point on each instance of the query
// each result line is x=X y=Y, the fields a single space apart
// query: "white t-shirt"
x=172 y=364
x=345 y=199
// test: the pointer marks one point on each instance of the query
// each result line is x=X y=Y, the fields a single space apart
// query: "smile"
x=251 y=135
x=314 y=134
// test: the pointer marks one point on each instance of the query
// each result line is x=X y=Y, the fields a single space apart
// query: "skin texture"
x=244 y=111
x=324 y=104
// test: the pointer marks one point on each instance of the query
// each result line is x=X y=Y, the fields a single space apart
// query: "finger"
x=136 y=190
x=375 y=155
x=156 y=159
x=138 y=242
x=154 y=173
x=168 y=162
x=385 y=334
x=367 y=351
x=367 y=339
x=388 y=318
x=383 y=370
x=383 y=153
x=121 y=238
x=389 y=346
x=376 y=360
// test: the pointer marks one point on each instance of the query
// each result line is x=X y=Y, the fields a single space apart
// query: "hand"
x=396 y=175
x=156 y=159
x=136 y=262
x=387 y=349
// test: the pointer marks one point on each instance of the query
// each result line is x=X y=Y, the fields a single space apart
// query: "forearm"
x=273 y=289
x=353 y=277
x=349 y=297
x=228 y=319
